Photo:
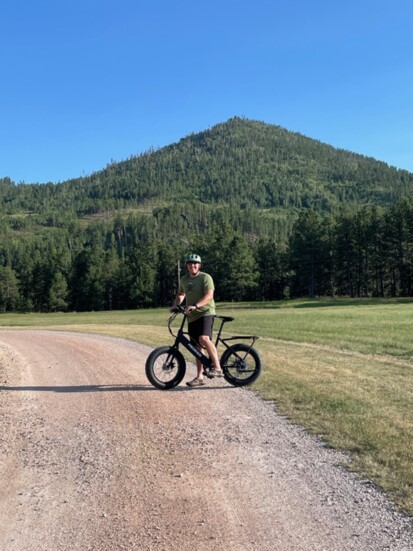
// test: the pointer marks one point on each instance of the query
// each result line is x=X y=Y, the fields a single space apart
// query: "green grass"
x=341 y=368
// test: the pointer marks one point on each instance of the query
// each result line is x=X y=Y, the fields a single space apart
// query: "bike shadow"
x=101 y=388
x=75 y=388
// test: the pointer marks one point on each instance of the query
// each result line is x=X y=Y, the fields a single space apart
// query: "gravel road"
x=93 y=458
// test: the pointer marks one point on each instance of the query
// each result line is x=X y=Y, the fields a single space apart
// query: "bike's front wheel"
x=241 y=364
x=165 y=367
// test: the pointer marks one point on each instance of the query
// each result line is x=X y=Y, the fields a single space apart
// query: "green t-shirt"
x=194 y=289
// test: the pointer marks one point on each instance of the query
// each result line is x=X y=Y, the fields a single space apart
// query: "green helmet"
x=192 y=258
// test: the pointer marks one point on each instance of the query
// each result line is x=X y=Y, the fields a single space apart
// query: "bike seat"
x=225 y=318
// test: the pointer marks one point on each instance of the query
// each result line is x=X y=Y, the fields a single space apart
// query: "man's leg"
x=199 y=365
x=193 y=331
x=205 y=341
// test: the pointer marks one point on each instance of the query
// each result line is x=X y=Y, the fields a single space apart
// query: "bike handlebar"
x=177 y=309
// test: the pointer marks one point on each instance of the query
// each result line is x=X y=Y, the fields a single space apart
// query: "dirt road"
x=93 y=458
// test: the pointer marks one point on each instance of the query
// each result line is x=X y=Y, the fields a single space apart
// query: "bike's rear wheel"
x=241 y=364
x=165 y=367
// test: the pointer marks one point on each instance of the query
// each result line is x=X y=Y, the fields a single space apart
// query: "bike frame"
x=181 y=338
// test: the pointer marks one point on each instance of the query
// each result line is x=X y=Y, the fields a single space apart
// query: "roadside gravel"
x=93 y=458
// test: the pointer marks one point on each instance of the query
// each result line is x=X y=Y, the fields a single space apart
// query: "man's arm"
x=178 y=299
x=209 y=295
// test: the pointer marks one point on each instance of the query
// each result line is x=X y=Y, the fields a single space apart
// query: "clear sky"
x=87 y=82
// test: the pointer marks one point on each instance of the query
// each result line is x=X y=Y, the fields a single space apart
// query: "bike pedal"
x=208 y=374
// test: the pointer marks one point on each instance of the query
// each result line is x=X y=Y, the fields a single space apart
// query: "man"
x=197 y=288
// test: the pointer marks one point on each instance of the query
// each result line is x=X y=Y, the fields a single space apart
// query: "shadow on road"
x=73 y=388
x=99 y=388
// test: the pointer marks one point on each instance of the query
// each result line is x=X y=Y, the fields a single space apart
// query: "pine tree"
x=9 y=293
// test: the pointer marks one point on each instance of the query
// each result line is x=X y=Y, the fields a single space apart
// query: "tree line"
x=134 y=261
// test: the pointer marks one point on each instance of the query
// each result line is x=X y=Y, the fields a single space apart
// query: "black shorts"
x=201 y=326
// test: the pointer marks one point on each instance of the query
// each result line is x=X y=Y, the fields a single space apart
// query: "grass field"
x=341 y=368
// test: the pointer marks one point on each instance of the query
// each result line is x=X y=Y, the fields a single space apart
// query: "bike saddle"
x=225 y=318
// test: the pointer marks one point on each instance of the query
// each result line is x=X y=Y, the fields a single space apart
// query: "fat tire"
x=154 y=368
x=234 y=374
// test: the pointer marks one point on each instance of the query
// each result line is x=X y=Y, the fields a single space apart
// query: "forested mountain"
x=240 y=162
x=273 y=213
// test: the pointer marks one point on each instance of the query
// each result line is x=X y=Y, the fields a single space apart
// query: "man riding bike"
x=197 y=289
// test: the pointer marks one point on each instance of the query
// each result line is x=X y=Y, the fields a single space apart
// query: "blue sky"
x=87 y=82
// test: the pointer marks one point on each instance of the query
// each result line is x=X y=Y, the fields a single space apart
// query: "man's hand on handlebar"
x=179 y=308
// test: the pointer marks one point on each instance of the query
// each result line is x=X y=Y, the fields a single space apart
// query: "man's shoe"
x=196 y=382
